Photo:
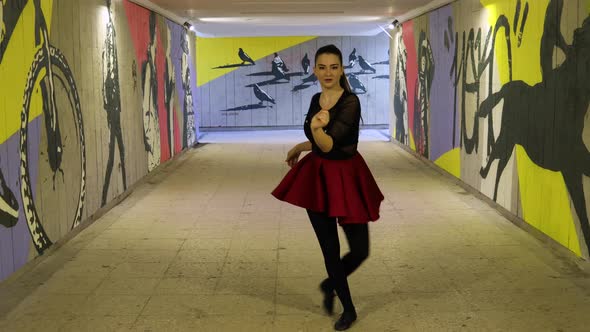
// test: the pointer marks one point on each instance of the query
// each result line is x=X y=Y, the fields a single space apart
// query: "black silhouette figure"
x=400 y=98
x=189 y=132
x=422 y=100
x=305 y=63
x=169 y=88
x=8 y=205
x=244 y=57
x=151 y=128
x=355 y=83
x=262 y=95
x=352 y=58
x=111 y=95
x=547 y=119
x=365 y=65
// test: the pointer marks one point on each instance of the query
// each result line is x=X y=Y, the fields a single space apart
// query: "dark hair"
x=332 y=49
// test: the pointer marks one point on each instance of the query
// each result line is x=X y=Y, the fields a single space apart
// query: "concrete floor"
x=203 y=246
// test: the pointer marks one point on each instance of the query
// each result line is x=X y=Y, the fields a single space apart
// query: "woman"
x=333 y=182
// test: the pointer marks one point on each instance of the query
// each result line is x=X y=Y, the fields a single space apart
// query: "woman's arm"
x=323 y=140
x=344 y=127
x=293 y=154
x=303 y=146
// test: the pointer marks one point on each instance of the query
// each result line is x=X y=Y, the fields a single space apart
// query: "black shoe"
x=328 y=302
x=345 y=321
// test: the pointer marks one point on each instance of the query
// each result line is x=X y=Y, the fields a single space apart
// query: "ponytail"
x=346 y=86
x=344 y=83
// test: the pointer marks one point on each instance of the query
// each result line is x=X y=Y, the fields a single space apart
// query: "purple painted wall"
x=15 y=242
x=442 y=94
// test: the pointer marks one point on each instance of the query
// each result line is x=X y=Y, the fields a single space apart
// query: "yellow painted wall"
x=544 y=198
x=213 y=52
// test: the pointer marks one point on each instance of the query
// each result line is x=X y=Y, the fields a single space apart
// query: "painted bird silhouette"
x=355 y=83
x=278 y=72
x=365 y=65
x=305 y=64
x=352 y=58
x=244 y=57
x=280 y=63
x=262 y=95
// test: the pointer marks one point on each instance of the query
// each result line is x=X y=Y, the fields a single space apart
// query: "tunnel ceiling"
x=232 y=18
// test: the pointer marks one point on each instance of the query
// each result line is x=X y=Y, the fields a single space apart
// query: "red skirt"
x=344 y=189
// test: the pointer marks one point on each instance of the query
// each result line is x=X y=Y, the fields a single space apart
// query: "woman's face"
x=328 y=70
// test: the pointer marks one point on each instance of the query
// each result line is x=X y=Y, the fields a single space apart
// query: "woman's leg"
x=358 y=241
x=327 y=233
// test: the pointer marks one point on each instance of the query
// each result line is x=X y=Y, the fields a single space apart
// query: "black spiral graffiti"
x=42 y=59
x=10 y=12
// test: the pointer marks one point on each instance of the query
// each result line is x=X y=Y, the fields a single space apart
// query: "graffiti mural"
x=111 y=93
x=64 y=151
x=8 y=204
x=267 y=79
x=189 y=132
x=547 y=119
x=400 y=94
x=505 y=106
x=169 y=91
x=422 y=97
x=56 y=169
x=149 y=79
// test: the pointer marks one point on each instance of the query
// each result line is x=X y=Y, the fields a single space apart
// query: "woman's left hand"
x=320 y=120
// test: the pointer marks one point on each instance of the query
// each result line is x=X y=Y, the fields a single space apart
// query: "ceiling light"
x=189 y=26
x=394 y=24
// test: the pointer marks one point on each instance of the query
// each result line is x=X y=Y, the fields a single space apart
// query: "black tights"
x=338 y=269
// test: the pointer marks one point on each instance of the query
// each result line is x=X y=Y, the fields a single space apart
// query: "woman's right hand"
x=293 y=156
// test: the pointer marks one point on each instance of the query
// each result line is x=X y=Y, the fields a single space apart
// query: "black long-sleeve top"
x=343 y=126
